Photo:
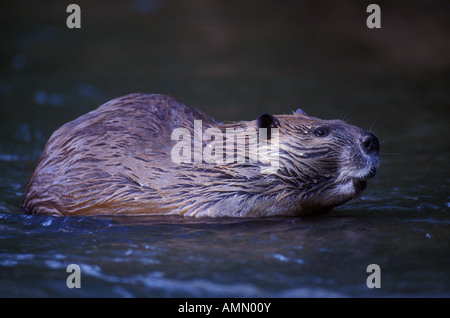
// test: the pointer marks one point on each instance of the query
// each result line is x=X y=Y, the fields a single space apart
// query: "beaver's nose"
x=370 y=144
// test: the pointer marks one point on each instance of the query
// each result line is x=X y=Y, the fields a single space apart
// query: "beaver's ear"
x=267 y=121
x=300 y=111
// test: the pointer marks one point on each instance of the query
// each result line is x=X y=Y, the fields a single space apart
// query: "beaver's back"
x=97 y=161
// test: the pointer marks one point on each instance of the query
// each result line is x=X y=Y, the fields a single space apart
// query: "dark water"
x=234 y=60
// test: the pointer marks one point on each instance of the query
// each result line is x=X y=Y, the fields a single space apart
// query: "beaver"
x=118 y=159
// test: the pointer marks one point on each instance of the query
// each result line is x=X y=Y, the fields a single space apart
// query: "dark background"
x=235 y=60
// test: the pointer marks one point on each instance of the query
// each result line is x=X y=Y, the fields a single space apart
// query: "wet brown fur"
x=116 y=160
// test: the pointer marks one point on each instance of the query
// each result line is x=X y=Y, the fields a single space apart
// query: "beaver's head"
x=325 y=163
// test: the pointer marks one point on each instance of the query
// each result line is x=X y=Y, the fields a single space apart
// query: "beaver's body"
x=118 y=159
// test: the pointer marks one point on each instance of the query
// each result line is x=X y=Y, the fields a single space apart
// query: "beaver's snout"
x=370 y=144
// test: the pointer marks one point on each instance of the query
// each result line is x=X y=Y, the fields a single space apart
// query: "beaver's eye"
x=321 y=132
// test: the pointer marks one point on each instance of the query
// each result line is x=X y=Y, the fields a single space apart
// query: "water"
x=234 y=60
x=174 y=257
